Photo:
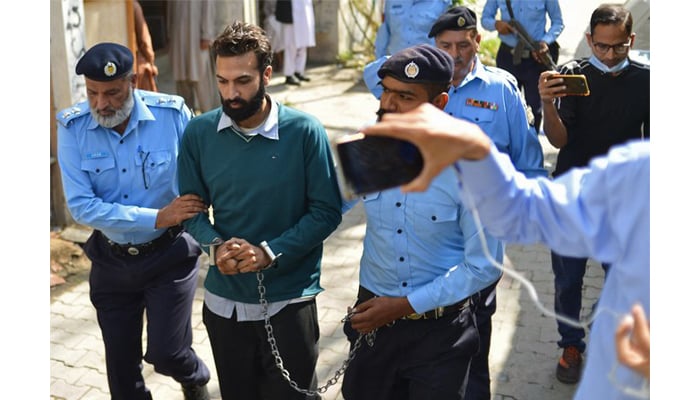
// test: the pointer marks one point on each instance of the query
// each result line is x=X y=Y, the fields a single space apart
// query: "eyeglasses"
x=620 y=48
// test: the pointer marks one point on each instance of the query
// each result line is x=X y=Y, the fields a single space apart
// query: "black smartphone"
x=374 y=163
x=576 y=85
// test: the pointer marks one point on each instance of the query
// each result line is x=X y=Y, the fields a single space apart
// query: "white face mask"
x=617 y=68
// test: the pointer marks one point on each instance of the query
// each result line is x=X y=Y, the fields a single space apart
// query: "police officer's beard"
x=248 y=107
x=120 y=115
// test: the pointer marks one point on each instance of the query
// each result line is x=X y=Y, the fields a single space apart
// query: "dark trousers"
x=425 y=359
x=479 y=386
x=244 y=362
x=162 y=284
x=568 y=283
x=528 y=74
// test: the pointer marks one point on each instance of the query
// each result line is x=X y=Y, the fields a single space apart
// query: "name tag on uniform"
x=482 y=104
x=96 y=154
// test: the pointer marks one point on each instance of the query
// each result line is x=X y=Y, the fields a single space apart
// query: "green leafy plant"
x=487 y=51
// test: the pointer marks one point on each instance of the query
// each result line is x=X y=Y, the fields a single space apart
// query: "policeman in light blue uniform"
x=424 y=249
x=489 y=97
x=117 y=152
x=407 y=23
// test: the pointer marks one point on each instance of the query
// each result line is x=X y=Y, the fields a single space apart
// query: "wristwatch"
x=266 y=248
x=212 y=249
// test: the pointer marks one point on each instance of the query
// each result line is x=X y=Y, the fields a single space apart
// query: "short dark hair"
x=611 y=14
x=240 y=38
x=434 y=89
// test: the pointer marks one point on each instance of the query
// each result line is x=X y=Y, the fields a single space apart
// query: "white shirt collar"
x=268 y=129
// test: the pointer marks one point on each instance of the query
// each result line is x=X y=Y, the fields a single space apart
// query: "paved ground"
x=524 y=351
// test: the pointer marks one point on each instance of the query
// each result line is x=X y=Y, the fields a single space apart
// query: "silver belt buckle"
x=133 y=251
x=439 y=312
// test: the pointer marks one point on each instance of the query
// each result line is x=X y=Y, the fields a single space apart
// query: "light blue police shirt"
x=407 y=23
x=600 y=212
x=105 y=174
x=425 y=246
x=489 y=97
x=532 y=15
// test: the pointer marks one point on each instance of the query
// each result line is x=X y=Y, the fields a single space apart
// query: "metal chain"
x=278 y=359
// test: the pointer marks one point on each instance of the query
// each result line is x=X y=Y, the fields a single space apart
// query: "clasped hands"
x=237 y=256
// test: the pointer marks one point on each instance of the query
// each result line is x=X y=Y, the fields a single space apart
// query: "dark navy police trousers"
x=161 y=283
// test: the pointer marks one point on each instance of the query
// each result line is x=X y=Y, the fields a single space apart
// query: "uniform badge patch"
x=411 y=70
x=482 y=104
x=110 y=69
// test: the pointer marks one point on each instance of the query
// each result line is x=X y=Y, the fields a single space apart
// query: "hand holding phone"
x=375 y=163
x=576 y=85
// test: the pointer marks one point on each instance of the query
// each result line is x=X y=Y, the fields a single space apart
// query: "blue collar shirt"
x=407 y=23
x=425 y=246
x=489 y=97
x=105 y=174
x=580 y=214
x=532 y=15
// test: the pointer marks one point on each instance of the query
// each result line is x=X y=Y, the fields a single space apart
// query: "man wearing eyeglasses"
x=118 y=157
x=616 y=110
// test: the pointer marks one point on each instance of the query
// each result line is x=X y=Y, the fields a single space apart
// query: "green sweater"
x=283 y=191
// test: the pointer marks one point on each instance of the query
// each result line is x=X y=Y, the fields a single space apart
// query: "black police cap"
x=419 y=64
x=105 y=62
x=458 y=18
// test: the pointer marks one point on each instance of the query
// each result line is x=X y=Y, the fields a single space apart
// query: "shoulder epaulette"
x=161 y=99
x=502 y=72
x=65 y=116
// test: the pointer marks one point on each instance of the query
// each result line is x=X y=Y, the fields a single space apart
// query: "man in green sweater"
x=267 y=172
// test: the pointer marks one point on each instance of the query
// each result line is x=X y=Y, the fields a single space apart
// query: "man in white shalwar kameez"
x=297 y=35
x=191 y=29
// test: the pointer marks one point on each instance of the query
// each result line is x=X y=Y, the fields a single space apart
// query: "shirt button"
x=97 y=170
x=434 y=218
x=399 y=231
x=121 y=141
x=401 y=259
x=123 y=169
x=398 y=204
x=404 y=284
x=126 y=196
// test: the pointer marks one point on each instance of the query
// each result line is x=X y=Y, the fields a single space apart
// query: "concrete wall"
x=229 y=10
x=106 y=21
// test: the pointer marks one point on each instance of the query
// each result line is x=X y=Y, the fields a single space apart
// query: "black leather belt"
x=363 y=295
x=129 y=249
x=524 y=53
